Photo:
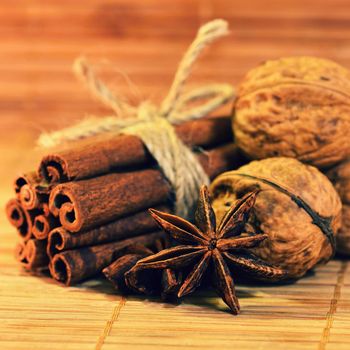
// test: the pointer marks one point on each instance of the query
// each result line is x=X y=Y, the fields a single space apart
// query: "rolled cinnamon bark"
x=31 y=190
x=167 y=281
x=15 y=213
x=43 y=224
x=89 y=203
x=32 y=254
x=34 y=196
x=148 y=281
x=35 y=253
x=29 y=178
x=45 y=209
x=73 y=266
x=21 y=218
x=133 y=225
x=115 y=272
x=20 y=252
x=221 y=159
x=28 y=197
x=101 y=154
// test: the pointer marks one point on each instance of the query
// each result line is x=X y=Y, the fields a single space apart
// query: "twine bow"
x=154 y=125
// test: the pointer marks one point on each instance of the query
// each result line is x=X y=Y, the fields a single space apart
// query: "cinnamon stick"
x=29 y=178
x=34 y=196
x=43 y=224
x=166 y=281
x=21 y=218
x=45 y=209
x=221 y=159
x=116 y=271
x=101 y=154
x=31 y=190
x=73 y=266
x=89 y=203
x=32 y=254
x=15 y=213
x=60 y=239
x=35 y=253
x=20 y=252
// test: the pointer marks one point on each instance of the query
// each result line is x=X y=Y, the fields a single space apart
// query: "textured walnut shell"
x=343 y=236
x=295 y=242
x=295 y=107
x=340 y=177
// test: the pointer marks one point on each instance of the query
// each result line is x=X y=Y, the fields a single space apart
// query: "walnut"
x=343 y=237
x=297 y=207
x=340 y=177
x=296 y=107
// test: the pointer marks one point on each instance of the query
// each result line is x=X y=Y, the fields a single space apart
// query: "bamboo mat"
x=36 y=313
x=145 y=39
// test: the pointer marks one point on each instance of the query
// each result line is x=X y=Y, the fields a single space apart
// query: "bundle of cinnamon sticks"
x=85 y=209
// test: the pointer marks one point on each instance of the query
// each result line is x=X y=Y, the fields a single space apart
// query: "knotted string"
x=154 y=125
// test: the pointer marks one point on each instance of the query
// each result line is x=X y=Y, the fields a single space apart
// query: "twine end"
x=217 y=27
x=46 y=141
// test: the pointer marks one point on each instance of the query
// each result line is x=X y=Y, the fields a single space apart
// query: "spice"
x=32 y=191
x=89 y=203
x=340 y=177
x=205 y=244
x=101 y=154
x=43 y=224
x=21 y=218
x=142 y=156
x=298 y=208
x=30 y=178
x=15 y=214
x=116 y=271
x=73 y=266
x=20 y=252
x=101 y=210
x=85 y=204
x=343 y=237
x=32 y=254
x=132 y=225
x=295 y=107
x=166 y=281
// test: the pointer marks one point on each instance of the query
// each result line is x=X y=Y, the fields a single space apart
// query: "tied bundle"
x=154 y=125
x=85 y=210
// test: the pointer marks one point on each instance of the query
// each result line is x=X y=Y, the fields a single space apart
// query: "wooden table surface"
x=145 y=40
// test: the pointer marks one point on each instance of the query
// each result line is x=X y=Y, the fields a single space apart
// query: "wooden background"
x=145 y=40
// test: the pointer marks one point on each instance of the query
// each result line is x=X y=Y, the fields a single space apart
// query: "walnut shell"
x=296 y=243
x=295 y=107
x=343 y=236
x=340 y=177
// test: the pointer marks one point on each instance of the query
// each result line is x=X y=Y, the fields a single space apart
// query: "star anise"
x=209 y=246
